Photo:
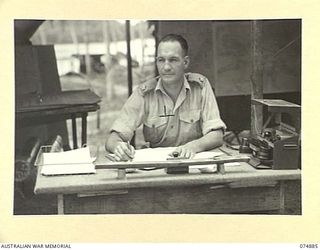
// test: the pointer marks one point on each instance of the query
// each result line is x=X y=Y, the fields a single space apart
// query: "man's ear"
x=186 y=61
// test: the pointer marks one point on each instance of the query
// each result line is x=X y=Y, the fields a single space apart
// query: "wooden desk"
x=242 y=189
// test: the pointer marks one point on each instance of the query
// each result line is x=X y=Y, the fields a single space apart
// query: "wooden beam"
x=74 y=131
x=129 y=59
x=129 y=67
x=87 y=57
x=84 y=129
x=256 y=78
x=215 y=54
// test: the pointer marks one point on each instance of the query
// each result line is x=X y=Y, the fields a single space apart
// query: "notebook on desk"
x=76 y=161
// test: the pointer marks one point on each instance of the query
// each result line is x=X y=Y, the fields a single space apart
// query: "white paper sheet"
x=60 y=169
x=77 y=161
x=80 y=155
x=162 y=154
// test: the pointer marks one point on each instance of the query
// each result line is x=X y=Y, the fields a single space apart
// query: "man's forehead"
x=170 y=47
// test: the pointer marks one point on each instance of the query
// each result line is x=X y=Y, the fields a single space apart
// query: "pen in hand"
x=130 y=170
x=122 y=152
x=130 y=150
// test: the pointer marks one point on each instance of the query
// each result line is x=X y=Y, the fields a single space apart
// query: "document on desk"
x=163 y=153
x=77 y=161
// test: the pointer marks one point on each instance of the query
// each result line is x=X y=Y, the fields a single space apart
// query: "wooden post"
x=107 y=42
x=129 y=60
x=122 y=174
x=215 y=55
x=87 y=54
x=282 y=209
x=60 y=204
x=74 y=131
x=143 y=44
x=107 y=65
x=129 y=66
x=257 y=78
x=84 y=129
x=220 y=168
x=74 y=36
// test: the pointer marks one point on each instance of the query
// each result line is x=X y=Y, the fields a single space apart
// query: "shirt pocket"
x=154 y=128
x=190 y=127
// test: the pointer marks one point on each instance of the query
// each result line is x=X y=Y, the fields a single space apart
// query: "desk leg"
x=60 y=204
x=74 y=131
x=282 y=198
x=84 y=129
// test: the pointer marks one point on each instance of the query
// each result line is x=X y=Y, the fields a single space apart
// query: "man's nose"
x=167 y=66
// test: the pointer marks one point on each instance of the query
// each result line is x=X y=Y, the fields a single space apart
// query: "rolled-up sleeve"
x=130 y=116
x=210 y=112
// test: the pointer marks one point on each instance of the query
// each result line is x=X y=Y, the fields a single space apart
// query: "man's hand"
x=123 y=152
x=184 y=151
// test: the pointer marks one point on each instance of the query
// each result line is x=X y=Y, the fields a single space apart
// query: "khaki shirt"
x=166 y=124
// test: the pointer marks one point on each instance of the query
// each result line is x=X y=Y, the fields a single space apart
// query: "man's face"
x=171 y=62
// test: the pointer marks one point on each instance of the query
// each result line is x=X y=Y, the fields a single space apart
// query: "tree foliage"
x=59 y=31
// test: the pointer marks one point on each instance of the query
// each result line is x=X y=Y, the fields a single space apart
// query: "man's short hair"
x=176 y=38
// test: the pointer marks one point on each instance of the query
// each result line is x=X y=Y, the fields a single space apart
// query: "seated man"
x=176 y=109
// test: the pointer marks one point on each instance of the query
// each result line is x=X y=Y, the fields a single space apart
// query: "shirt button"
x=191 y=120
x=172 y=126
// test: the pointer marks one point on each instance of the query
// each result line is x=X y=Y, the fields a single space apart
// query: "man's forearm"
x=112 y=142
x=207 y=142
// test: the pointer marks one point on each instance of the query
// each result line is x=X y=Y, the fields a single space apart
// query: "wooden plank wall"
x=222 y=51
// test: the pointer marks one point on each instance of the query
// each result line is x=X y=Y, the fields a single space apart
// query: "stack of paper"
x=76 y=161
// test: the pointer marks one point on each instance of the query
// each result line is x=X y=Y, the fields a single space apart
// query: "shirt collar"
x=185 y=86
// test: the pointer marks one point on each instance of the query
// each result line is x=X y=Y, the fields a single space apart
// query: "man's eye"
x=160 y=60
x=173 y=60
